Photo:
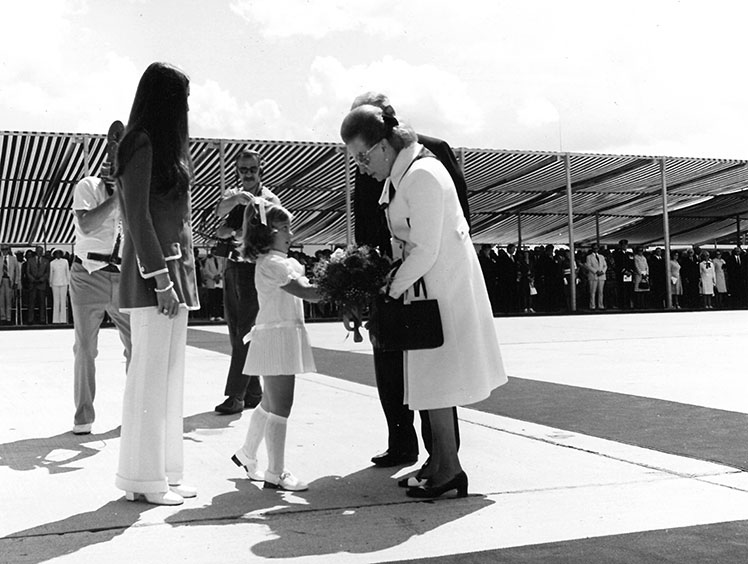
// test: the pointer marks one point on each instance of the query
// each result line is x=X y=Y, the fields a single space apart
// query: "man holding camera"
x=94 y=278
x=239 y=293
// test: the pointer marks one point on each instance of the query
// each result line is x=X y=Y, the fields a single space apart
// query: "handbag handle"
x=420 y=283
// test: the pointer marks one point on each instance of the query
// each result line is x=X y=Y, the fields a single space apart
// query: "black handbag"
x=644 y=282
x=399 y=326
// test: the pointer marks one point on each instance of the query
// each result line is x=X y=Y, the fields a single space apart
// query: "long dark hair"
x=160 y=110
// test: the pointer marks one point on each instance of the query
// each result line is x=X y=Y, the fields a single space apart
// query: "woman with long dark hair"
x=158 y=285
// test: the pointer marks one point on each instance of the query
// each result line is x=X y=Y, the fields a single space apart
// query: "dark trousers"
x=388 y=370
x=214 y=300
x=240 y=311
x=37 y=295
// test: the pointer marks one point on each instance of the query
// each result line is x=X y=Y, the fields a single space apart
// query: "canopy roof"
x=513 y=195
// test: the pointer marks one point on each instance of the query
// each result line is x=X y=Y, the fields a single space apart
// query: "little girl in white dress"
x=279 y=344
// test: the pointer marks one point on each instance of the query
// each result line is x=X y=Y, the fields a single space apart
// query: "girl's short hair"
x=258 y=236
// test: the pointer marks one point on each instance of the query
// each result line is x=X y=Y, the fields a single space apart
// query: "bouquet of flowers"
x=350 y=279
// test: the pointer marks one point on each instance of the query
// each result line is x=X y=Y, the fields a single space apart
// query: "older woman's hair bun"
x=390 y=122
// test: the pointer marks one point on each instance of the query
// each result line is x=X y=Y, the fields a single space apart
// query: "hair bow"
x=262 y=205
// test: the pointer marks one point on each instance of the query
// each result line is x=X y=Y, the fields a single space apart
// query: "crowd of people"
x=530 y=280
x=526 y=280
x=34 y=288
x=50 y=281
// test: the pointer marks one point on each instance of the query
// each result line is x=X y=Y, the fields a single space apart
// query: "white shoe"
x=156 y=498
x=284 y=481
x=249 y=465
x=183 y=490
x=82 y=429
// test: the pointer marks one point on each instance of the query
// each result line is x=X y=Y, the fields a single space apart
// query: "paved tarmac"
x=619 y=438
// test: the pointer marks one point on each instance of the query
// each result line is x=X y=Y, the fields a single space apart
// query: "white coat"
x=430 y=231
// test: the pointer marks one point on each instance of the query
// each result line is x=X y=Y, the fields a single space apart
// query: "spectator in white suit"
x=596 y=267
x=59 y=279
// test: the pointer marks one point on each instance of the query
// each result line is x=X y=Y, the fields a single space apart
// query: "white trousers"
x=60 y=304
x=597 y=287
x=151 y=452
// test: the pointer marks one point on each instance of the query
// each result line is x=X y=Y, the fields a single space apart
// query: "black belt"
x=104 y=258
x=107 y=268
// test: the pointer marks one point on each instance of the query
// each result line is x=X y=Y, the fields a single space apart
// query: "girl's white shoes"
x=249 y=465
x=284 y=481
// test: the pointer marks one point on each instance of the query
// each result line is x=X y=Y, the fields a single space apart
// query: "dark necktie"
x=5 y=266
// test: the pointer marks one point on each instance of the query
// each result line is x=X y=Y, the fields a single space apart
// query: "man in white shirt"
x=94 y=279
x=596 y=267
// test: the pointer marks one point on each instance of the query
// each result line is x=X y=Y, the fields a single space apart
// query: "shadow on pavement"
x=30 y=454
x=337 y=514
x=67 y=536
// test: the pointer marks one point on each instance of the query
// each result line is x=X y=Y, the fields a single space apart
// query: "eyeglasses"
x=365 y=158
x=246 y=170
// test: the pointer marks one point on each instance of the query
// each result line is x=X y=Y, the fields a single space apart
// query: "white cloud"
x=480 y=74
x=537 y=111
x=59 y=82
x=286 y=18
x=216 y=112
x=432 y=100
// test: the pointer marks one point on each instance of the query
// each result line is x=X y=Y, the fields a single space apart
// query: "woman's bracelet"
x=165 y=289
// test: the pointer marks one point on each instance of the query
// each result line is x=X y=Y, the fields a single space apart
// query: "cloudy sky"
x=653 y=77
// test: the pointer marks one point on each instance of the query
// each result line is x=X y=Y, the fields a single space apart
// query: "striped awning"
x=513 y=195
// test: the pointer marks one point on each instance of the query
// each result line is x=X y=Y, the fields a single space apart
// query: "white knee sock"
x=256 y=432
x=275 y=440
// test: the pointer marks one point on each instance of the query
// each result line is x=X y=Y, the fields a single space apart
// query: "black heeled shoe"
x=459 y=483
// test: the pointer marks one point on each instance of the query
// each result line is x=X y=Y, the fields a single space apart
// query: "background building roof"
x=513 y=194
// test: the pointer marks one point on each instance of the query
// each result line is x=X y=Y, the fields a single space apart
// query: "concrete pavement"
x=554 y=477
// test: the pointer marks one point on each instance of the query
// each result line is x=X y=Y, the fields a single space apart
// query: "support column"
x=570 y=212
x=519 y=231
x=737 y=227
x=666 y=234
x=222 y=162
x=348 y=212
x=86 y=156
